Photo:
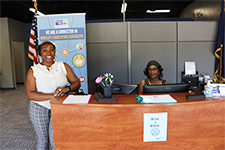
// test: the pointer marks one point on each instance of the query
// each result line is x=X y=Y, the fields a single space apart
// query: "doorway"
x=19 y=63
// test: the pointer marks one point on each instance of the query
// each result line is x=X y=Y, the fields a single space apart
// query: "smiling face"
x=47 y=53
x=153 y=71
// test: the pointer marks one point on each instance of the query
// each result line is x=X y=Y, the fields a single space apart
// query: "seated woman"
x=153 y=71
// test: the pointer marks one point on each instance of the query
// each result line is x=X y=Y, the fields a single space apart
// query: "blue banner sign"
x=61 y=34
x=68 y=33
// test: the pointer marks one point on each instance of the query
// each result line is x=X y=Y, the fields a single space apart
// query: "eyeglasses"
x=152 y=69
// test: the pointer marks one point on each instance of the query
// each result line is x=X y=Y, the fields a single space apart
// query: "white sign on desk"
x=155 y=127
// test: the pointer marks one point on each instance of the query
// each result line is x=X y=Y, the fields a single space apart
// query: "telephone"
x=198 y=93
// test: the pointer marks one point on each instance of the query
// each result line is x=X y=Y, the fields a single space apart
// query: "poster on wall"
x=68 y=33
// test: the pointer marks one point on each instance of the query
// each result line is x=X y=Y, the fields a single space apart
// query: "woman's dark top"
x=147 y=83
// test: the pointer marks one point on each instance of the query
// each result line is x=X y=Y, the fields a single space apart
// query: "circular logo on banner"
x=56 y=56
x=79 y=46
x=65 y=52
x=78 y=60
x=82 y=79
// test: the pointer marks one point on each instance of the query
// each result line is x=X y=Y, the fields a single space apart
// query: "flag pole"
x=35 y=4
x=221 y=56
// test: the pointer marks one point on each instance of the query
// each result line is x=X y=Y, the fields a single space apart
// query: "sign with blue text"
x=68 y=33
x=155 y=127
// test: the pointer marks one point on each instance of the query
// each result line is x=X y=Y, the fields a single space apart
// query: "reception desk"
x=191 y=124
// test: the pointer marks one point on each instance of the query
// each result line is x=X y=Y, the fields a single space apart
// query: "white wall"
x=19 y=61
x=10 y=30
x=6 y=63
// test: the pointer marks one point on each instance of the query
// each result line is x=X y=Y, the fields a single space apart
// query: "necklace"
x=49 y=68
x=157 y=82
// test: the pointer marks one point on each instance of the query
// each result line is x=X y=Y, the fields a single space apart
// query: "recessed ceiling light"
x=158 y=11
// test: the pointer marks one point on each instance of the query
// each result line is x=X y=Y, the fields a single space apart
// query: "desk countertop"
x=131 y=99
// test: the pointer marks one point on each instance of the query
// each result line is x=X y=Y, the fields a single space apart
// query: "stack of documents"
x=77 y=99
x=222 y=90
x=156 y=99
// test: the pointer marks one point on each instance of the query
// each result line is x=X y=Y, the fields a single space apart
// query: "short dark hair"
x=42 y=44
x=153 y=62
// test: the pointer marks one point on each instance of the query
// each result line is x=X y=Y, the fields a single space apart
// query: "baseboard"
x=7 y=88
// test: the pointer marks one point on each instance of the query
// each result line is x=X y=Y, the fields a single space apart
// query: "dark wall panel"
x=124 y=49
x=153 y=31
x=197 y=31
x=200 y=52
x=164 y=53
x=106 y=32
x=107 y=58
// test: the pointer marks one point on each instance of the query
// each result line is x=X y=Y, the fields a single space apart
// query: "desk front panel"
x=191 y=125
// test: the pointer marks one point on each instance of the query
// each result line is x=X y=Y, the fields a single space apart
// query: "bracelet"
x=69 y=88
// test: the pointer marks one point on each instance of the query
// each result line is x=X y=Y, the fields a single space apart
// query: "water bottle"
x=208 y=89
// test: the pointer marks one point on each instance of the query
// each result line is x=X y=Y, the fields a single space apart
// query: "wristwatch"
x=69 y=88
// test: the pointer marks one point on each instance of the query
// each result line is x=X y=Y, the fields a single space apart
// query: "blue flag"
x=219 y=53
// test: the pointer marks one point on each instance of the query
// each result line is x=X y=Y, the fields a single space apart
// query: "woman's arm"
x=166 y=82
x=31 y=89
x=73 y=80
x=140 y=89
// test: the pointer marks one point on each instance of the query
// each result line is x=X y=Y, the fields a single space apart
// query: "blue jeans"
x=42 y=122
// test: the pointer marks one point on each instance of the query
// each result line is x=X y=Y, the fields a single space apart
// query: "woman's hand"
x=60 y=91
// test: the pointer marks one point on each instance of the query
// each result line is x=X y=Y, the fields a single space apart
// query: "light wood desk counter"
x=192 y=124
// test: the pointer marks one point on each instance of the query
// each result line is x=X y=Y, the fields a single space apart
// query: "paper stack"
x=222 y=90
x=77 y=99
x=155 y=99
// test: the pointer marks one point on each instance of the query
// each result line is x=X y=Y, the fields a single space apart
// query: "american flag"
x=33 y=43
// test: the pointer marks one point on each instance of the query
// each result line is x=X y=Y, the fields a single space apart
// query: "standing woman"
x=153 y=71
x=44 y=81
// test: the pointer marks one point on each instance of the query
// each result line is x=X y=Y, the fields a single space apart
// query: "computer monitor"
x=168 y=88
x=125 y=89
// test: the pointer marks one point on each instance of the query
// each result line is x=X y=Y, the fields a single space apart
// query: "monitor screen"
x=168 y=88
x=125 y=89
